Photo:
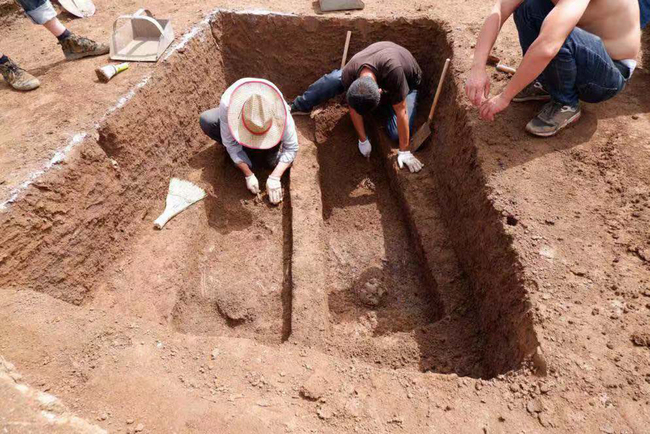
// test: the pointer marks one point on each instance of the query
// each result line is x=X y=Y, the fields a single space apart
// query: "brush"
x=182 y=194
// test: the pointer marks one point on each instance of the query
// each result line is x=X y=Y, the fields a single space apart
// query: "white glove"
x=365 y=148
x=411 y=162
x=252 y=184
x=274 y=190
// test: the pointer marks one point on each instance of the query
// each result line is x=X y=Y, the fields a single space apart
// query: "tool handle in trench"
x=345 y=50
x=435 y=99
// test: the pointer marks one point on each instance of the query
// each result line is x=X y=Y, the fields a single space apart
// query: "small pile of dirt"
x=237 y=303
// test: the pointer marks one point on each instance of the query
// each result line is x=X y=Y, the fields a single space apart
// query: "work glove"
x=252 y=184
x=365 y=148
x=274 y=190
x=405 y=157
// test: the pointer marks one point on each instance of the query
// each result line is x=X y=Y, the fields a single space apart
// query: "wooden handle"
x=435 y=99
x=345 y=50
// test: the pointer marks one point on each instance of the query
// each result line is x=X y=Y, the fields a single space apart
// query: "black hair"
x=363 y=95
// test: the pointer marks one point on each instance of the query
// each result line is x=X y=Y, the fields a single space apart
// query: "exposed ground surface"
x=506 y=288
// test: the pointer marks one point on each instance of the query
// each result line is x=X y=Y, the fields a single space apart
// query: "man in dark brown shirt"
x=382 y=74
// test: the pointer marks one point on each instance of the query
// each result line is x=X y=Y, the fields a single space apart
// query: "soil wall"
x=78 y=217
x=481 y=242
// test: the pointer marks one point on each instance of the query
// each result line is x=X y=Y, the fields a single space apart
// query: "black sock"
x=64 y=35
x=4 y=59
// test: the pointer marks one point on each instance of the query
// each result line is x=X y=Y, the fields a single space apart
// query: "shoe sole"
x=571 y=121
x=533 y=98
x=77 y=56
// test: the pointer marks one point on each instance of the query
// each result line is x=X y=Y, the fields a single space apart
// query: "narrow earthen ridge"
x=481 y=242
x=310 y=315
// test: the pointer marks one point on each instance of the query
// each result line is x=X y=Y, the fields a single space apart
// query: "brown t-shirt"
x=396 y=69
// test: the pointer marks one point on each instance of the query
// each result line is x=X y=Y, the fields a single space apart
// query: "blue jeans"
x=582 y=69
x=330 y=85
x=40 y=11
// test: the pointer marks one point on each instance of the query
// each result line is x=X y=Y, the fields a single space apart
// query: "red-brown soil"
x=503 y=289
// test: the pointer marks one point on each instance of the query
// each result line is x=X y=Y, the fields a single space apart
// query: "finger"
x=487 y=89
x=400 y=164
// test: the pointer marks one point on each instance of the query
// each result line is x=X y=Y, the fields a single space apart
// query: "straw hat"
x=257 y=115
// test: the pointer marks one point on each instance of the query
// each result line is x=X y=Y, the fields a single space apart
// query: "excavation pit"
x=360 y=260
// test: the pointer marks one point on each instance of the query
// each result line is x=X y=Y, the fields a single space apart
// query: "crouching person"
x=253 y=118
x=383 y=76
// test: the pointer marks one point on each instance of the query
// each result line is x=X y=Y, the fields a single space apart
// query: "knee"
x=207 y=122
x=333 y=79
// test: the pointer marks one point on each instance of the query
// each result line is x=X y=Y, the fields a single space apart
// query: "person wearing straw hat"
x=253 y=122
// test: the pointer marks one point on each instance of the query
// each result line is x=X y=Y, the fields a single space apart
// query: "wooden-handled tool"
x=345 y=50
x=425 y=130
x=496 y=62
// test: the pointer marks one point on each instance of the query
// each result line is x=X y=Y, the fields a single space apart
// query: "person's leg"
x=74 y=47
x=326 y=87
x=211 y=125
x=391 y=121
x=39 y=11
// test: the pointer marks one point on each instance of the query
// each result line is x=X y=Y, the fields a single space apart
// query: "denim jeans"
x=330 y=85
x=644 y=6
x=40 y=11
x=582 y=69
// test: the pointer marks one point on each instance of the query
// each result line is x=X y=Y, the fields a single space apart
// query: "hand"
x=274 y=190
x=493 y=106
x=252 y=184
x=477 y=86
x=405 y=157
x=365 y=148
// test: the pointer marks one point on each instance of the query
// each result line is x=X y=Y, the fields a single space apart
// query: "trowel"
x=425 y=130
x=79 y=8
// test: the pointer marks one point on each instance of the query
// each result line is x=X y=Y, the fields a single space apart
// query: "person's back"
x=617 y=23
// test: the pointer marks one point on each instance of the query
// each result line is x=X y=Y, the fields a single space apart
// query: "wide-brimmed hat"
x=257 y=115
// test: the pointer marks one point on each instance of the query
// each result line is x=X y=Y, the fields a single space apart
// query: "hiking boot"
x=17 y=77
x=533 y=92
x=77 y=47
x=552 y=118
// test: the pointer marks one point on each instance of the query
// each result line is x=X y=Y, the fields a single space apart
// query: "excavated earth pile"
x=361 y=260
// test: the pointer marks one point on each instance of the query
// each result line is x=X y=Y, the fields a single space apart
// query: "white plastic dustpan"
x=79 y=8
x=142 y=38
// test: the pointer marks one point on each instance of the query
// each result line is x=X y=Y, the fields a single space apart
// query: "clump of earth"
x=237 y=303
x=370 y=292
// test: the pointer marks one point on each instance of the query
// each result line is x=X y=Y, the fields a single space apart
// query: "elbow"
x=546 y=50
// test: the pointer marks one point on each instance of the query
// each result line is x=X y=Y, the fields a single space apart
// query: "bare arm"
x=557 y=26
x=401 y=112
x=477 y=87
x=357 y=120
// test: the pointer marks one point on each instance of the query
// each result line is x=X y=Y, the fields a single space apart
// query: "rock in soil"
x=641 y=339
x=370 y=292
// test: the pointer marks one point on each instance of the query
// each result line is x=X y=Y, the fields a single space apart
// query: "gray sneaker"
x=552 y=118
x=533 y=92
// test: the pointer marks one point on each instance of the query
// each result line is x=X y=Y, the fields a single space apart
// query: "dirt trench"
x=360 y=259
